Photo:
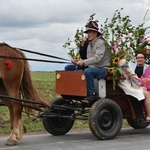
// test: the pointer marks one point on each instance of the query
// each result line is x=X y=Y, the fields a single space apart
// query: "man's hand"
x=75 y=61
x=80 y=63
x=84 y=39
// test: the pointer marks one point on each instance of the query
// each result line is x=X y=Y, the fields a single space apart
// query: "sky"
x=45 y=25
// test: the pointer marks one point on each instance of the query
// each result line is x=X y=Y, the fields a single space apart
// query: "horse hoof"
x=11 y=142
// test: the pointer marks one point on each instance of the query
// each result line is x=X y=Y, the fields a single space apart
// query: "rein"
x=25 y=50
x=31 y=59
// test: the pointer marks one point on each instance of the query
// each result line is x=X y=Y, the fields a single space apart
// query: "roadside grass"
x=45 y=85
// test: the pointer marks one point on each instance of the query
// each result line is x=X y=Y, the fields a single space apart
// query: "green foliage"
x=120 y=30
x=74 y=51
x=124 y=40
x=117 y=30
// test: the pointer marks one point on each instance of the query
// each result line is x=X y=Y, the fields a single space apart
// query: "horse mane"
x=15 y=49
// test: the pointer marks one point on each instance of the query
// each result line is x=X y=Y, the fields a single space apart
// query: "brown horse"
x=16 y=82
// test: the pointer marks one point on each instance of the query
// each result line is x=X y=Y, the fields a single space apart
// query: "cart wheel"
x=105 y=119
x=57 y=125
x=136 y=125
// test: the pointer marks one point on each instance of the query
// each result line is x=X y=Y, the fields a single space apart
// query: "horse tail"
x=28 y=91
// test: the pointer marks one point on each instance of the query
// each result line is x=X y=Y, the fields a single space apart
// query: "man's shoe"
x=91 y=97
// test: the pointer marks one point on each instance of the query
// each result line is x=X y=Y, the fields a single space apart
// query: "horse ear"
x=8 y=64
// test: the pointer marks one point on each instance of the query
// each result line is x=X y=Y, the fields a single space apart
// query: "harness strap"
x=25 y=50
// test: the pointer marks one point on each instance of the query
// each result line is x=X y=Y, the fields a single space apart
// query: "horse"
x=16 y=82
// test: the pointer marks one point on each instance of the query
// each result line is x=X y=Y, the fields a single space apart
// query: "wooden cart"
x=104 y=115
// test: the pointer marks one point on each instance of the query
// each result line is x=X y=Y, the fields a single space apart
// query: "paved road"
x=128 y=139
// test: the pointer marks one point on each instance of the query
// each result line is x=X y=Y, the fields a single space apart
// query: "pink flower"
x=143 y=40
x=115 y=47
x=128 y=35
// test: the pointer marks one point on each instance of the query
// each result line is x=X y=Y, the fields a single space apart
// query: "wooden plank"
x=70 y=83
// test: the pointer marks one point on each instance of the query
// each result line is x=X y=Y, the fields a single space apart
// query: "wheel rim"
x=105 y=119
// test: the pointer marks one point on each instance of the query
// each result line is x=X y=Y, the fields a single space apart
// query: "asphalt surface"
x=127 y=139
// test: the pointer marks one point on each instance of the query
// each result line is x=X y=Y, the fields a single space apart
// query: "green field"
x=45 y=85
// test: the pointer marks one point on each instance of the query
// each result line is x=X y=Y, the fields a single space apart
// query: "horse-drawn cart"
x=104 y=115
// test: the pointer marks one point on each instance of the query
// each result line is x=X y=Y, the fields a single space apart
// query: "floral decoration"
x=123 y=38
x=124 y=41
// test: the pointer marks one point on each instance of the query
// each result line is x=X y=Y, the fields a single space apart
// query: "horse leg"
x=11 y=114
x=16 y=133
x=17 y=129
